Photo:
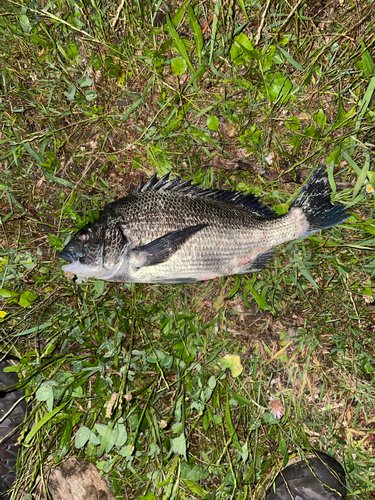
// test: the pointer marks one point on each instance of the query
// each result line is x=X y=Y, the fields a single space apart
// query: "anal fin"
x=161 y=249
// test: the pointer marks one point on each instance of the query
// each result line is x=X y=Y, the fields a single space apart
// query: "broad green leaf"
x=45 y=391
x=109 y=437
x=29 y=296
x=26 y=298
x=90 y=95
x=111 y=441
x=122 y=435
x=283 y=448
x=367 y=61
x=276 y=85
x=334 y=158
x=25 y=23
x=258 y=298
x=244 y=453
x=212 y=382
x=85 y=81
x=99 y=288
x=101 y=428
x=241 y=399
x=72 y=50
x=82 y=436
x=70 y=94
x=93 y=438
x=267 y=59
x=369 y=228
x=292 y=123
x=242 y=50
x=234 y=289
x=149 y=496
x=97 y=62
x=312 y=132
x=127 y=451
x=178 y=445
x=270 y=419
x=320 y=118
x=212 y=122
x=233 y=362
x=178 y=66
x=34 y=329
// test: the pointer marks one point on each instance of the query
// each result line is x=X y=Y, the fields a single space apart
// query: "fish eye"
x=84 y=237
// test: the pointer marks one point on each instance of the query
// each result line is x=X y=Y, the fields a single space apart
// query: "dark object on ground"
x=76 y=479
x=8 y=424
x=268 y=173
x=319 y=477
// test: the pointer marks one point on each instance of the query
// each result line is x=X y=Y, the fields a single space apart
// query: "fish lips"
x=66 y=256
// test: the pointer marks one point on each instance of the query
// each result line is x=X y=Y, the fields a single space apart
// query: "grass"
x=137 y=378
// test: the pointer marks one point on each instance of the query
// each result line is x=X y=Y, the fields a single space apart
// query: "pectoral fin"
x=163 y=248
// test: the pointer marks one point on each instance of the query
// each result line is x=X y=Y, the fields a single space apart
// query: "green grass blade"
x=351 y=162
x=180 y=46
x=365 y=103
x=197 y=32
x=362 y=177
x=176 y=19
x=46 y=418
x=213 y=39
x=290 y=59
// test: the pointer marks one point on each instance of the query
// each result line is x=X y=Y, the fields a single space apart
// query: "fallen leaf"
x=233 y=362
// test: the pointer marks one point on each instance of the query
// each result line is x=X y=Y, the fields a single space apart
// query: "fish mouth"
x=66 y=256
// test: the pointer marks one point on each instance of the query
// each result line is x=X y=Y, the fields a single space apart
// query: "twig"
x=262 y=22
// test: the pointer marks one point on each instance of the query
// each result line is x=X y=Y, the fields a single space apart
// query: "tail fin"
x=315 y=202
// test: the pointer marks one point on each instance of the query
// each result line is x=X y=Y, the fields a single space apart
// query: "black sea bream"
x=169 y=231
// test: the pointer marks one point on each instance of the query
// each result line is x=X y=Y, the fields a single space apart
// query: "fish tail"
x=315 y=202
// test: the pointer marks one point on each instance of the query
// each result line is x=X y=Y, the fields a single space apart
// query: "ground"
x=172 y=391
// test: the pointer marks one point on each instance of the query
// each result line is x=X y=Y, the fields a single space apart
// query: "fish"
x=173 y=231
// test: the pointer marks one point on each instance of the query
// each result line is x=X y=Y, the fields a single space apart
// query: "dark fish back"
x=158 y=212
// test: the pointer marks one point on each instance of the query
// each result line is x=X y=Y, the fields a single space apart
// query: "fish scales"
x=172 y=232
x=231 y=231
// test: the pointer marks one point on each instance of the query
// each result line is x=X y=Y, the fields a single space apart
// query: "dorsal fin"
x=178 y=185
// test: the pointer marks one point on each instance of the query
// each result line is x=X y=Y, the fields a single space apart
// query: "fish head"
x=95 y=251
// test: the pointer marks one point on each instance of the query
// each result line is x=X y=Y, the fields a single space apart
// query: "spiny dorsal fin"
x=181 y=186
